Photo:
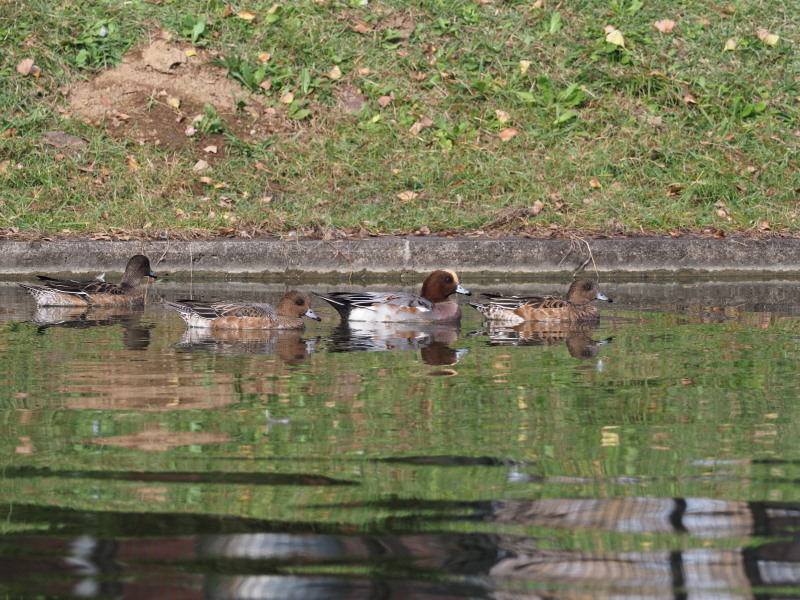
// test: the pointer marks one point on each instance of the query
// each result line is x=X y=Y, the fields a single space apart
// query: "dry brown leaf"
x=385 y=101
x=264 y=57
x=266 y=85
x=27 y=67
x=730 y=45
x=189 y=52
x=246 y=15
x=420 y=125
x=502 y=116
x=287 y=98
x=210 y=149
x=770 y=39
x=364 y=72
x=763 y=225
x=335 y=73
x=207 y=180
x=689 y=98
x=407 y=196
x=594 y=182
x=664 y=25
x=524 y=65
x=4 y=166
x=537 y=5
x=132 y=163
x=361 y=28
x=508 y=133
x=537 y=207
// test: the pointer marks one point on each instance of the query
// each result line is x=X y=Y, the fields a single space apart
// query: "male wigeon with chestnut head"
x=433 y=303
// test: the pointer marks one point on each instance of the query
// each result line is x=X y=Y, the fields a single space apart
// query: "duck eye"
x=587 y=286
x=299 y=302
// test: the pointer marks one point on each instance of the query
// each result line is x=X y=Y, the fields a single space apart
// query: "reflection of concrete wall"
x=439 y=565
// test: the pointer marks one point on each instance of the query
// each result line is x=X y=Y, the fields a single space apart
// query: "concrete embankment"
x=381 y=255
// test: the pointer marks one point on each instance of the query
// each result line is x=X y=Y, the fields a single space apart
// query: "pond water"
x=655 y=455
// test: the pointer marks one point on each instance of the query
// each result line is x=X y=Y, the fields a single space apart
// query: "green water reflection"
x=445 y=462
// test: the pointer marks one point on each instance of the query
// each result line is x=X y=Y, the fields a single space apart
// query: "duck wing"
x=212 y=310
x=80 y=288
x=512 y=302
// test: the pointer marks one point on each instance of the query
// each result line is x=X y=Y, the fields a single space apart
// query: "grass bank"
x=611 y=117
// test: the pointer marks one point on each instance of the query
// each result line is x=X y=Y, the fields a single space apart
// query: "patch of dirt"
x=136 y=98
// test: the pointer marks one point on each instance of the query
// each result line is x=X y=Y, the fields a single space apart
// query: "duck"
x=432 y=305
x=288 y=314
x=518 y=309
x=64 y=292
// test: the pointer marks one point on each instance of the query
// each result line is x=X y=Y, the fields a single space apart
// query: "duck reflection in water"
x=577 y=336
x=287 y=344
x=135 y=335
x=434 y=341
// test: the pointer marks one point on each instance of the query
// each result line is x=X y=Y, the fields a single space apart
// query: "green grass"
x=669 y=134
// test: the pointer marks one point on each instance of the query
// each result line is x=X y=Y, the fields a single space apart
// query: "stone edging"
x=408 y=254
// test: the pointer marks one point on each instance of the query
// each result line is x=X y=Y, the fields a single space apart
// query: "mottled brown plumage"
x=518 y=309
x=246 y=315
x=64 y=292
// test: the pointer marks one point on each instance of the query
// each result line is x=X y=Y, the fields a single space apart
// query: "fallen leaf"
x=190 y=131
x=689 y=98
x=122 y=117
x=132 y=163
x=407 y=196
x=664 y=25
x=200 y=166
x=364 y=72
x=246 y=15
x=207 y=180
x=210 y=149
x=763 y=225
x=420 y=125
x=264 y=57
x=537 y=5
x=385 y=101
x=335 y=73
x=361 y=28
x=508 y=133
x=730 y=45
x=27 y=67
x=614 y=36
x=502 y=116
x=287 y=98
x=4 y=166
x=770 y=39
x=524 y=65
x=594 y=182
x=220 y=185
x=174 y=102
x=704 y=22
x=266 y=84
x=537 y=207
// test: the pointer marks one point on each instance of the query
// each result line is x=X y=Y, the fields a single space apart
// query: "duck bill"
x=311 y=315
x=602 y=296
x=151 y=275
x=463 y=290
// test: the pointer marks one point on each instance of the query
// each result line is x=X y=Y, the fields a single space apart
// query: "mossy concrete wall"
x=512 y=256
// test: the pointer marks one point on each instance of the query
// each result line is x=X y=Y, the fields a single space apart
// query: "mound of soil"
x=135 y=97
